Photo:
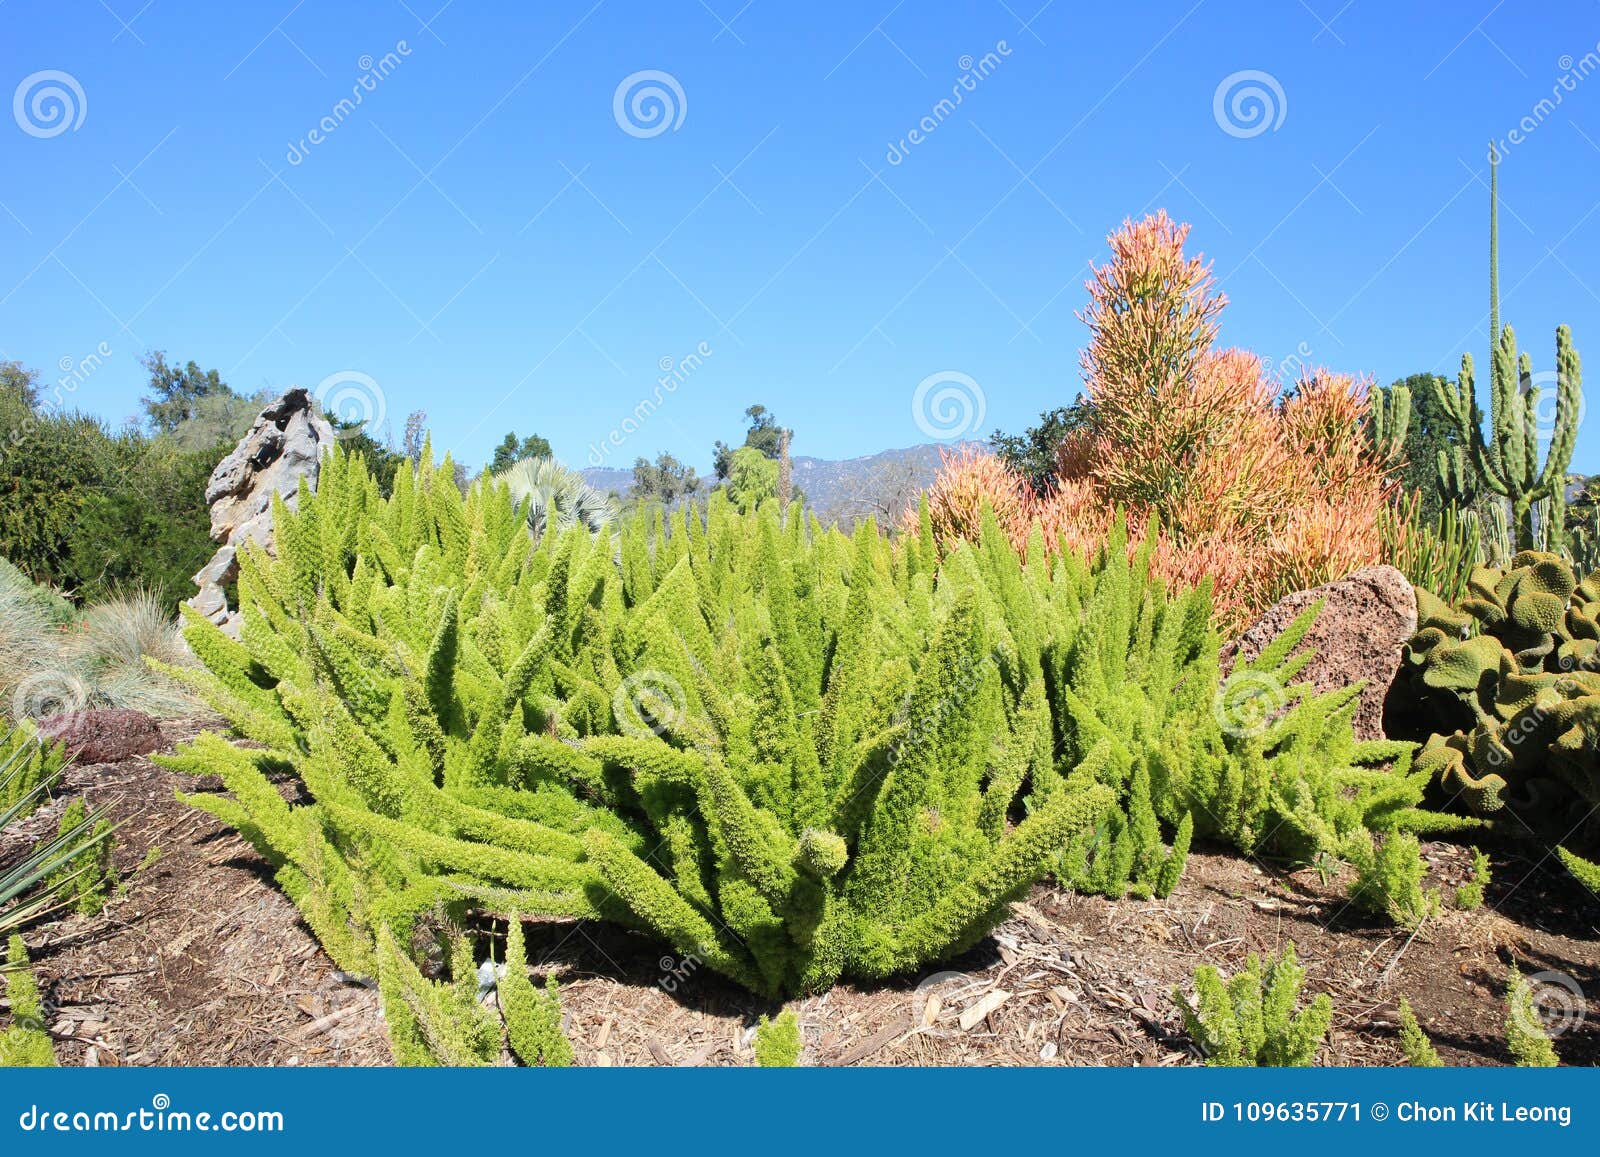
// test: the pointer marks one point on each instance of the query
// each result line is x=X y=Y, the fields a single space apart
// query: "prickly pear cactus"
x=1514 y=669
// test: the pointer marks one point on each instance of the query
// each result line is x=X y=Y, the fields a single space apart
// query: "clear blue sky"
x=483 y=239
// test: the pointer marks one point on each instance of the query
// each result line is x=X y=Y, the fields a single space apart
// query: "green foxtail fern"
x=1256 y=760
x=26 y=1043
x=1253 y=1020
x=793 y=754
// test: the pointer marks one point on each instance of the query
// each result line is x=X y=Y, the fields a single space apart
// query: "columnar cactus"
x=1507 y=464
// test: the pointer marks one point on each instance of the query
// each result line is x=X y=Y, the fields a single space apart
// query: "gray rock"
x=285 y=444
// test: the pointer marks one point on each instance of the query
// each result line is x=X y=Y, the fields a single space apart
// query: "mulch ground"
x=199 y=960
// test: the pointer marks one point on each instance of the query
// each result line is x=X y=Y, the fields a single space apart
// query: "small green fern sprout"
x=1252 y=1020
x=1389 y=871
x=1419 y=1050
x=25 y=1044
x=533 y=1016
x=84 y=881
x=1470 y=895
x=1525 y=1035
x=778 y=1042
x=1584 y=871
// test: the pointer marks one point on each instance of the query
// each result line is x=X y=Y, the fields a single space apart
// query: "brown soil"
x=199 y=959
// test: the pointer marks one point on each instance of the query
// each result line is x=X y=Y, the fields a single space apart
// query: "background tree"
x=513 y=450
x=415 y=435
x=666 y=480
x=91 y=511
x=19 y=382
x=885 y=491
x=217 y=421
x=1032 y=453
x=175 y=393
x=764 y=435
x=752 y=477
x=148 y=528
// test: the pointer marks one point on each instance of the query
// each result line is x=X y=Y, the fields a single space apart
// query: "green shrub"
x=91 y=511
x=1525 y=1035
x=778 y=1042
x=1419 y=1050
x=1252 y=1020
x=791 y=754
x=26 y=1044
x=1257 y=760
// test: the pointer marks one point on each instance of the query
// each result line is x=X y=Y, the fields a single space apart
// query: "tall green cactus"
x=1391 y=420
x=1508 y=464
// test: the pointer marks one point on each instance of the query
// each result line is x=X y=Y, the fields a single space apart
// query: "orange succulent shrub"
x=967 y=479
x=1261 y=493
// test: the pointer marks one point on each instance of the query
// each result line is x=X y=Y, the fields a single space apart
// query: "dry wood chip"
x=885 y=1035
x=983 y=1007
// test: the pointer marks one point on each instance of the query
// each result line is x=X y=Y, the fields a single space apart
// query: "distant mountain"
x=881 y=484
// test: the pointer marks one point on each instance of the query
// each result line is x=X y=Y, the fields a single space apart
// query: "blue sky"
x=482 y=237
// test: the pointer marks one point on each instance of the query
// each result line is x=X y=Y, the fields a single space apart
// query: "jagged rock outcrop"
x=285 y=444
